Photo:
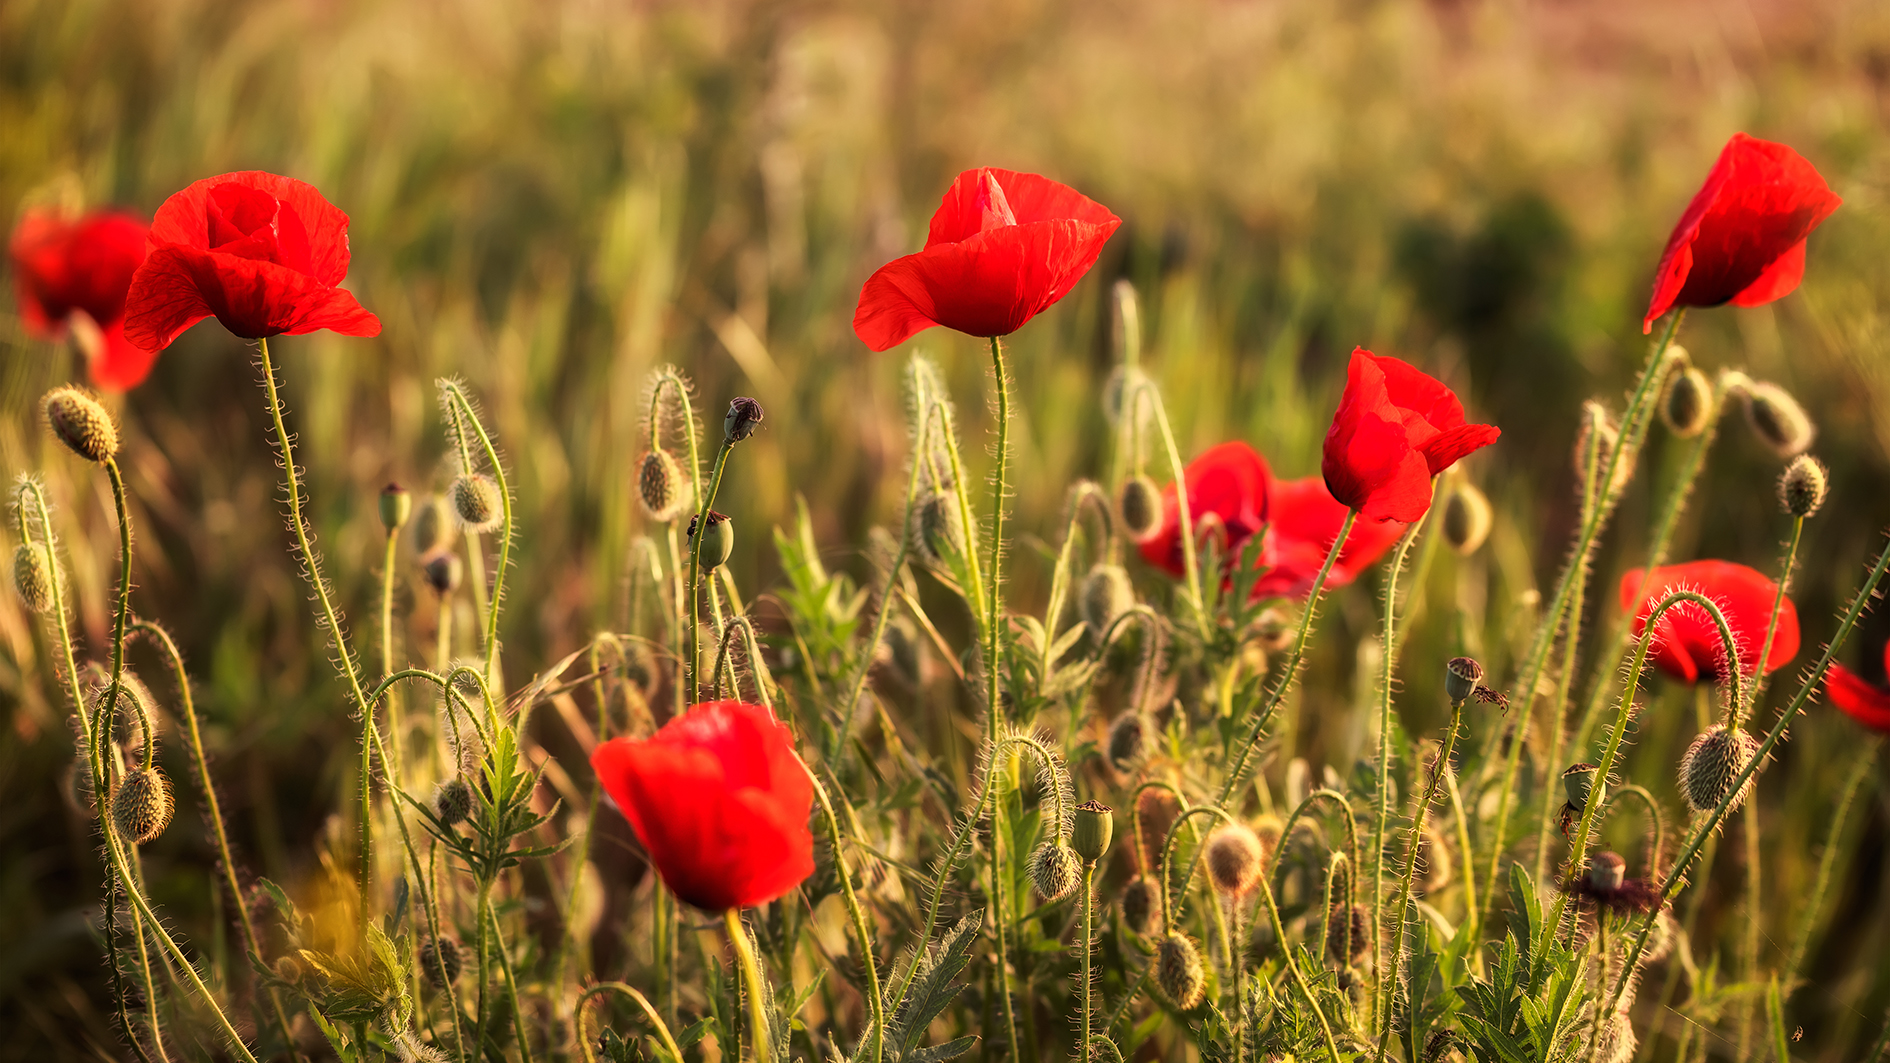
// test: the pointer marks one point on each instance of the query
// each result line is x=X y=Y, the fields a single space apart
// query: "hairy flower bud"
x=440 y=961
x=1236 y=858
x=938 y=533
x=1105 y=595
x=1606 y=872
x=396 y=507
x=453 y=802
x=33 y=575
x=1348 y=931
x=141 y=804
x=1462 y=676
x=476 y=501
x=1684 y=408
x=81 y=423
x=1178 y=971
x=740 y=420
x=1128 y=741
x=442 y=570
x=1094 y=829
x=1140 y=505
x=718 y=541
x=1467 y=518
x=660 y=485
x=1141 y=904
x=1055 y=870
x=1711 y=764
x=1777 y=419
x=288 y=969
x=1802 y=487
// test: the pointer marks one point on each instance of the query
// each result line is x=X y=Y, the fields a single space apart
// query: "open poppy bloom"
x=1686 y=642
x=1231 y=491
x=1742 y=239
x=1003 y=247
x=719 y=800
x=1862 y=701
x=260 y=253
x=76 y=271
x=1395 y=429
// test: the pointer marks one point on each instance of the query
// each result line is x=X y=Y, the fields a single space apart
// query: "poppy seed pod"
x=1054 y=870
x=141 y=804
x=939 y=533
x=1128 y=741
x=1606 y=872
x=1178 y=971
x=1711 y=764
x=1106 y=595
x=453 y=803
x=432 y=528
x=396 y=507
x=1777 y=419
x=740 y=420
x=1578 y=782
x=33 y=576
x=81 y=424
x=1141 y=904
x=1803 y=485
x=660 y=485
x=1467 y=518
x=476 y=501
x=1684 y=408
x=718 y=541
x=1236 y=858
x=1140 y=505
x=1343 y=921
x=440 y=960
x=442 y=570
x=1094 y=829
x=1462 y=676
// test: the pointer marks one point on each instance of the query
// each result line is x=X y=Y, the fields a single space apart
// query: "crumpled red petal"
x=1304 y=519
x=1687 y=643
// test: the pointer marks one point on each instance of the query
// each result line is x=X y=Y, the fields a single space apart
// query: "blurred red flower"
x=64 y=268
x=719 y=800
x=1742 y=239
x=1230 y=487
x=1686 y=643
x=259 y=252
x=1864 y=702
x=1004 y=246
x=1395 y=428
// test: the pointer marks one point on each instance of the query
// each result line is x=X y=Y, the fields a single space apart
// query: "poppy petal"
x=1687 y=643
x=164 y=300
x=120 y=365
x=1028 y=197
x=1861 y=701
x=1779 y=280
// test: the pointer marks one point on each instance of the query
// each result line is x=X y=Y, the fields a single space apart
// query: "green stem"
x=649 y=1012
x=692 y=661
x=485 y=968
x=1751 y=703
x=994 y=706
x=1088 y=945
x=868 y=960
x=1827 y=862
x=751 y=978
x=1412 y=844
x=1190 y=562
x=519 y=1032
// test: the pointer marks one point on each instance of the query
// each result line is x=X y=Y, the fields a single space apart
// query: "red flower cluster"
x=1862 y=701
x=261 y=253
x=1231 y=484
x=719 y=800
x=1004 y=246
x=65 y=269
x=1686 y=642
x=1742 y=239
x=1395 y=429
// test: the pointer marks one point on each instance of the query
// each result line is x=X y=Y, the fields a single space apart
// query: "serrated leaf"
x=934 y=987
x=938 y=1053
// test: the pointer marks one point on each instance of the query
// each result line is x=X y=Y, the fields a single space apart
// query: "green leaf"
x=934 y=986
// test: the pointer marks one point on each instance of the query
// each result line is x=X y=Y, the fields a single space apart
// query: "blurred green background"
x=551 y=198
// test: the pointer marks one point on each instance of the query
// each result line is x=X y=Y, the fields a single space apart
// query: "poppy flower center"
x=250 y=223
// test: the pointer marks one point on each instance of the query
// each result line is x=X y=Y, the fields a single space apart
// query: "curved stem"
x=694 y=586
x=649 y=1012
x=1190 y=562
x=1751 y=702
x=1337 y=800
x=1827 y=862
x=1412 y=843
x=520 y=1033
x=869 y=960
x=751 y=976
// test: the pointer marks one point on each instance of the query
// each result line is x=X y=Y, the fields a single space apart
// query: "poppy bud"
x=1606 y=872
x=1140 y=504
x=1054 y=870
x=660 y=485
x=141 y=804
x=1684 y=408
x=1128 y=741
x=1122 y=382
x=288 y=969
x=442 y=571
x=940 y=534
x=453 y=803
x=1106 y=595
x=476 y=501
x=1802 y=487
x=81 y=424
x=1348 y=920
x=33 y=576
x=1178 y=971
x=1578 y=782
x=718 y=542
x=1462 y=676
x=740 y=420
x=1235 y=860
x=1711 y=764
x=1777 y=419
x=432 y=529
x=1095 y=827
x=440 y=960
x=1141 y=904
x=1467 y=518
x=396 y=507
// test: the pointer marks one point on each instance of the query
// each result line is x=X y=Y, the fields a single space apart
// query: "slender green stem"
x=1413 y=842
x=869 y=961
x=751 y=978
x=519 y=1032
x=1088 y=945
x=1861 y=771
x=582 y=854
x=693 y=660
x=1751 y=702
x=656 y=1021
x=1338 y=801
x=1190 y=561
x=1755 y=917
x=506 y=530
x=994 y=706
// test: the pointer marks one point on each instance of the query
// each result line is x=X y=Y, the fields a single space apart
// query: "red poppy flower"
x=1228 y=483
x=1395 y=429
x=1686 y=643
x=1742 y=239
x=260 y=253
x=1004 y=246
x=64 y=268
x=1864 y=702
x=719 y=800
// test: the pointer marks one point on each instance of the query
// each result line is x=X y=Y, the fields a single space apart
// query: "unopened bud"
x=288 y=969
x=453 y=803
x=1094 y=829
x=1777 y=419
x=1236 y=859
x=740 y=420
x=660 y=486
x=81 y=424
x=440 y=961
x=442 y=570
x=1578 y=782
x=1802 y=487
x=1462 y=676
x=1054 y=870
x=432 y=527
x=1178 y=971
x=1140 y=505
x=938 y=532
x=718 y=542
x=33 y=576
x=141 y=804
x=1711 y=764
x=1606 y=872
x=396 y=507
x=1106 y=595
x=1128 y=741
x=1684 y=409
x=1348 y=931
x=1141 y=904
x=1467 y=518
x=476 y=501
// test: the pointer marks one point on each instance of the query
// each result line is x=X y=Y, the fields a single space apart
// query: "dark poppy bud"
x=440 y=961
x=81 y=424
x=1178 y=971
x=441 y=570
x=1777 y=419
x=1140 y=505
x=1128 y=741
x=1348 y=932
x=1606 y=872
x=740 y=420
x=1685 y=407
x=141 y=805
x=660 y=485
x=1093 y=830
x=718 y=542
x=396 y=507
x=1462 y=676
x=1578 y=782
x=1055 y=870
x=476 y=501
x=1802 y=487
x=1141 y=904
x=1467 y=518
x=1105 y=595
x=1236 y=858
x=33 y=576
x=453 y=803
x=432 y=527
x=1711 y=764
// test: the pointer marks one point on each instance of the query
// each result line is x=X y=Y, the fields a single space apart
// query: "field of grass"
x=551 y=200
